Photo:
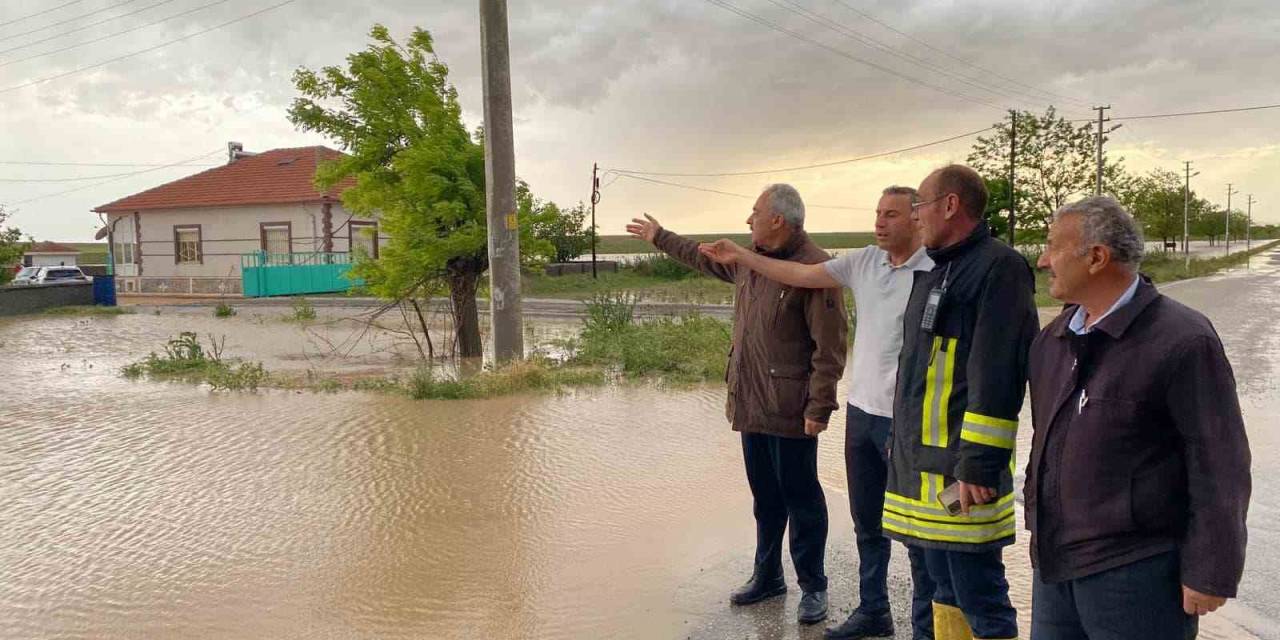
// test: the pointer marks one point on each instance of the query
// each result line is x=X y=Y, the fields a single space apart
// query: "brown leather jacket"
x=788 y=343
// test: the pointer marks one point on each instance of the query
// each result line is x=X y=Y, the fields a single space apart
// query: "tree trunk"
x=464 y=277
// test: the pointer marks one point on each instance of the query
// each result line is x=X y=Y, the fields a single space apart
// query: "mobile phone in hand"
x=950 y=498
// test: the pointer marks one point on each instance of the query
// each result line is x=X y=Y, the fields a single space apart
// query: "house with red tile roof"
x=50 y=254
x=188 y=236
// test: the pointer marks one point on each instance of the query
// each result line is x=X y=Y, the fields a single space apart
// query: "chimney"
x=235 y=151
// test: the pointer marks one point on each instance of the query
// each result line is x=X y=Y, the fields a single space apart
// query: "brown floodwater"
x=135 y=509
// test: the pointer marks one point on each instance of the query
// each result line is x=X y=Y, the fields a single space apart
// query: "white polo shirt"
x=880 y=293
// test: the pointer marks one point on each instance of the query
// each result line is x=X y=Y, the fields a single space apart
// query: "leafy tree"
x=562 y=233
x=394 y=113
x=11 y=247
x=1156 y=200
x=1056 y=163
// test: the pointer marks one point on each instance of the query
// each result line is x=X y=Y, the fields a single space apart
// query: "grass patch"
x=187 y=360
x=87 y=310
x=303 y=311
x=695 y=288
x=224 y=310
x=532 y=375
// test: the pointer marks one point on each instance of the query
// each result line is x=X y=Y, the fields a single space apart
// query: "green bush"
x=186 y=359
x=689 y=349
x=303 y=310
x=224 y=310
x=662 y=267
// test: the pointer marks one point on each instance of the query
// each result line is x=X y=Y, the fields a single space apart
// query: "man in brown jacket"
x=1138 y=482
x=787 y=355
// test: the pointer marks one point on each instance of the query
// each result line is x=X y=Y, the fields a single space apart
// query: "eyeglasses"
x=915 y=206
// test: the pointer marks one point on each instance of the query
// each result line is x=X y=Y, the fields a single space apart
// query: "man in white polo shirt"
x=880 y=278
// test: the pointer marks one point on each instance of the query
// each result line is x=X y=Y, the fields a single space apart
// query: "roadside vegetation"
x=614 y=347
x=186 y=359
x=87 y=310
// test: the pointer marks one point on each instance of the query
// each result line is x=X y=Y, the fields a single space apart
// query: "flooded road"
x=156 y=510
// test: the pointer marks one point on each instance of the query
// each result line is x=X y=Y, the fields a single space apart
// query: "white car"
x=50 y=275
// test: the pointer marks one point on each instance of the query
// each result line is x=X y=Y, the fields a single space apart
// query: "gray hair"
x=896 y=190
x=1105 y=222
x=785 y=201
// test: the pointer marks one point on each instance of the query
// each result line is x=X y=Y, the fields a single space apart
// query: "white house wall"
x=226 y=234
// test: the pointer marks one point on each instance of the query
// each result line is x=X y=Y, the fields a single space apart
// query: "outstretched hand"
x=646 y=229
x=722 y=251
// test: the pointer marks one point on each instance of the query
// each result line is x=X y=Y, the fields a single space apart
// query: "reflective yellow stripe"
x=971 y=534
x=993 y=432
x=987 y=439
x=978 y=513
x=989 y=421
x=947 y=376
x=927 y=421
x=937 y=393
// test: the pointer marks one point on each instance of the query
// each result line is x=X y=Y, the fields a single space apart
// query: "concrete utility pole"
x=1097 y=191
x=595 y=198
x=1248 y=227
x=500 y=184
x=1186 y=206
x=1229 y=192
x=1013 y=185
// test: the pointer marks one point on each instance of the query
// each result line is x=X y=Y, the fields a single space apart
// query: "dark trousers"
x=866 y=467
x=974 y=583
x=783 y=474
x=1138 y=601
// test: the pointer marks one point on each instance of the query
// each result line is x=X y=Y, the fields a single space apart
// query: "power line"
x=985 y=70
x=121 y=177
x=39 y=13
x=723 y=4
x=804 y=167
x=87 y=26
x=1187 y=113
x=31 y=163
x=729 y=193
x=79 y=179
x=148 y=49
x=60 y=23
x=109 y=36
x=870 y=42
x=1199 y=113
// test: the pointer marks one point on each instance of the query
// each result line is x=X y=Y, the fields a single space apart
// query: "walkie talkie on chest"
x=933 y=304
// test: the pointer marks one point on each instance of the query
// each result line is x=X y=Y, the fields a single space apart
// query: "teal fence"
x=284 y=274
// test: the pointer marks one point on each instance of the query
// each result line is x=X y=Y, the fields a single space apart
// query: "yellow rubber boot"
x=949 y=623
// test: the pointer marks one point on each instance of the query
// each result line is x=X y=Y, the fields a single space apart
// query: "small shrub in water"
x=303 y=310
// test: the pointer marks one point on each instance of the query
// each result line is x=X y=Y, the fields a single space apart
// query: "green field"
x=835 y=240
x=90 y=252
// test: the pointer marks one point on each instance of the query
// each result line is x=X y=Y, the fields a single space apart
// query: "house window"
x=363 y=239
x=187 y=247
x=277 y=238
x=124 y=253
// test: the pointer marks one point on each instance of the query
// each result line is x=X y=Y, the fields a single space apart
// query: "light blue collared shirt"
x=1076 y=325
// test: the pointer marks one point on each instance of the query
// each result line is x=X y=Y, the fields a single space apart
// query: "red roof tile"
x=279 y=176
x=51 y=247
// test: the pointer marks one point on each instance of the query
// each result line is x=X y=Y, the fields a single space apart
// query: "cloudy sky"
x=667 y=86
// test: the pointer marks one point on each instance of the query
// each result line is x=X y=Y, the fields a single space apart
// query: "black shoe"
x=813 y=607
x=757 y=589
x=862 y=625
